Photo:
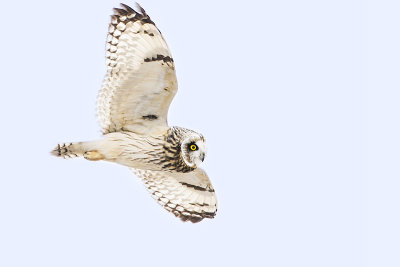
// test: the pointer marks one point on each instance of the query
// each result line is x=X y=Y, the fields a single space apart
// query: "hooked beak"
x=202 y=156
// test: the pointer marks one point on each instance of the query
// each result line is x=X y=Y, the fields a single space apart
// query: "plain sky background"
x=298 y=100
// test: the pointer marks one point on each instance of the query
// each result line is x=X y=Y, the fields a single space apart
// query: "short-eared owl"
x=132 y=108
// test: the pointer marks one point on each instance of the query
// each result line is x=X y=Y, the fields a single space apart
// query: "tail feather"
x=68 y=150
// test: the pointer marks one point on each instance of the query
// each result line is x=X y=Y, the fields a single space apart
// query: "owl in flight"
x=132 y=109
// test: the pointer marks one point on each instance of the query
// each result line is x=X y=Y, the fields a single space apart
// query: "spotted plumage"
x=132 y=108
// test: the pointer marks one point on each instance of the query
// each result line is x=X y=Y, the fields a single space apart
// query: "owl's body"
x=149 y=152
x=133 y=107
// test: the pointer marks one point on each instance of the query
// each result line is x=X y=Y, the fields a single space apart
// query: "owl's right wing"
x=189 y=196
x=140 y=82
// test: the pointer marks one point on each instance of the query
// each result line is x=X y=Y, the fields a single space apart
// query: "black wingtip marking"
x=150 y=117
x=139 y=15
x=128 y=8
x=195 y=219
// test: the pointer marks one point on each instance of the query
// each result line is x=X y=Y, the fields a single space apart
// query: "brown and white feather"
x=189 y=196
x=140 y=82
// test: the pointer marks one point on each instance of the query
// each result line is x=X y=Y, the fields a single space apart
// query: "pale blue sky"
x=298 y=100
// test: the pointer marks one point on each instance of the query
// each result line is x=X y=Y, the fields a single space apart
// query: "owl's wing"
x=189 y=196
x=140 y=82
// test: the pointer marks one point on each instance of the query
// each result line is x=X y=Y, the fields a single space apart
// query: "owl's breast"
x=136 y=150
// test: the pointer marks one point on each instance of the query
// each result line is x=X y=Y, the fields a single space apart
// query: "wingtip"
x=137 y=13
x=141 y=9
x=127 y=8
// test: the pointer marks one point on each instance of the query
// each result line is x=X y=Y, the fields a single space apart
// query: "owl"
x=132 y=108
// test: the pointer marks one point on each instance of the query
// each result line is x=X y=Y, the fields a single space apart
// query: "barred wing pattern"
x=189 y=196
x=140 y=82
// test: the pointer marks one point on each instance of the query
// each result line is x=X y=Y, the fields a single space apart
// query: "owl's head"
x=193 y=149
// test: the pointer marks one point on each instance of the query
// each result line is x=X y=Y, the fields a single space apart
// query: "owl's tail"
x=68 y=150
x=88 y=150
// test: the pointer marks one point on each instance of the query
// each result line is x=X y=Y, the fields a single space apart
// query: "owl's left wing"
x=140 y=82
x=189 y=196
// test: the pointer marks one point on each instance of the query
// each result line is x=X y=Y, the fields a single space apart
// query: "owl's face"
x=193 y=150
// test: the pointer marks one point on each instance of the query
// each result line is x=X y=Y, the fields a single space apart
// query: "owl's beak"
x=202 y=156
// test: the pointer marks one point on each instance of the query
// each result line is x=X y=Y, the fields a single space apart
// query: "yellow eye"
x=193 y=147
